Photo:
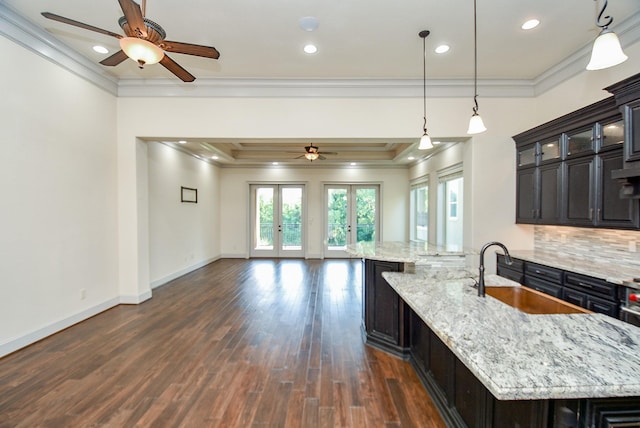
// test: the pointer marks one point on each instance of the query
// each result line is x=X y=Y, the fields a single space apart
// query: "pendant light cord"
x=475 y=57
x=424 y=81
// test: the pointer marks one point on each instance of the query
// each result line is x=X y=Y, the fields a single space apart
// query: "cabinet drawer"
x=511 y=274
x=590 y=285
x=576 y=297
x=541 y=271
x=543 y=286
x=517 y=265
x=603 y=306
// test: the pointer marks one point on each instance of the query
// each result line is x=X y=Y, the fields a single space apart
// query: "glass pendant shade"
x=606 y=51
x=311 y=156
x=476 y=126
x=425 y=142
x=141 y=51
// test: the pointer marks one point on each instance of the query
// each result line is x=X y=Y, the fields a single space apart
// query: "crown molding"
x=20 y=30
x=322 y=88
x=23 y=32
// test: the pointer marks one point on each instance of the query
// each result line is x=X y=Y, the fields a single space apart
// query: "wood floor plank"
x=237 y=343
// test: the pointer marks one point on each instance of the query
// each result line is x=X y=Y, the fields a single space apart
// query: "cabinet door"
x=613 y=211
x=579 y=191
x=527 y=195
x=382 y=303
x=549 y=177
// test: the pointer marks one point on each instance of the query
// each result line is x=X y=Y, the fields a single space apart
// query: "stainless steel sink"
x=533 y=302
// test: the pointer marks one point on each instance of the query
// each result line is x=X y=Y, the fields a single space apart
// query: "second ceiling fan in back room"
x=144 y=41
x=312 y=153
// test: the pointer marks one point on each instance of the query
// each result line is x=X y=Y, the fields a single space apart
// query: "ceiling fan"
x=312 y=153
x=144 y=41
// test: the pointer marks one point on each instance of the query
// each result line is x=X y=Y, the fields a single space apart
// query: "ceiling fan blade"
x=321 y=157
x=190 y=49
x=134 y=17
x=328 y=153
x=176 y=69
x=114 y=59
x=64 y=20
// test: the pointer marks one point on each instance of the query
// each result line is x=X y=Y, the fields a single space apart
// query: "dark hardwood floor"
x=246 y=343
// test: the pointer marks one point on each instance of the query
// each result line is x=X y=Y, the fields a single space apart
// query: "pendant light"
x=425 y=140
x=606 y=51
x=476 y=125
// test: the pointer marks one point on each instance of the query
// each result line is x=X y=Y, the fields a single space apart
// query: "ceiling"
x=356 y=39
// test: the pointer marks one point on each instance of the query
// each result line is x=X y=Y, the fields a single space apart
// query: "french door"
x=352 y=216
x=277 y=220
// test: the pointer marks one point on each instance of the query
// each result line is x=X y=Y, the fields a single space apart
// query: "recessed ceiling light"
x=215 y=157
x=309 y=23
x=274 y=163
x=100 y=49
x=411 y=158
x=435 y=143
x=353 y=164
x=182 y=142
x=442 y=49
x=530 y=24
x=310 y=49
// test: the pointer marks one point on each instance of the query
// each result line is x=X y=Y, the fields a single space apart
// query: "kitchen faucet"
x=507 y=259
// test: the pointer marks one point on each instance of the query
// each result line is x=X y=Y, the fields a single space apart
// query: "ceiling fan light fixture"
x=311 y=156
x=141 y=51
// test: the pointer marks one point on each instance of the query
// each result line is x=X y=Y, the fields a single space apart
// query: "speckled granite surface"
x=613 y=272
x=521 y=356
x=404 y=252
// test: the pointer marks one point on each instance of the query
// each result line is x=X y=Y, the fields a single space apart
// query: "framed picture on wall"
x=188 y=194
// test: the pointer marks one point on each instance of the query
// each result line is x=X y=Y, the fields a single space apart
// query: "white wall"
x=234 y=184
x=58 y=185
x=182 y=236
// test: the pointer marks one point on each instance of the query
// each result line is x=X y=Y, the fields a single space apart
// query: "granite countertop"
x=403 y=252
x=615 y=273
x=519 y=356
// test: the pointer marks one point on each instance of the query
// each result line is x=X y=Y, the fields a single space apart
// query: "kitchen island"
x=488 y=364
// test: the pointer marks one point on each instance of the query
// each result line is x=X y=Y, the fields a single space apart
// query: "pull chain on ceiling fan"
x=144 y=41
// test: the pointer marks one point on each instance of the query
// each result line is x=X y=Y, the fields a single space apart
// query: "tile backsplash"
x=617 y=246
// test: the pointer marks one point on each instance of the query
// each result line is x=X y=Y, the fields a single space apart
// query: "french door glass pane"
x=366 y=215
x=291 y=218
x=337 y=218
x=264 y=219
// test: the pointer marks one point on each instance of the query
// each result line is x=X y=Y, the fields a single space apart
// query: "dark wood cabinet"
x=538 y=187
x=565 y=167
x=588 y=292
x=611 y=209
x=386 y=319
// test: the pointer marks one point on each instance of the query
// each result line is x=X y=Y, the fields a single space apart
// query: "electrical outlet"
x=632 y=246
x=83 y=294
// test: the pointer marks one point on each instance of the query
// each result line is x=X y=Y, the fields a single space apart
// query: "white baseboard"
x=14 y=344
x=133 y=299
x=161 y=281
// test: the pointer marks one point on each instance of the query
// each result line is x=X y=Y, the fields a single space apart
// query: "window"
x=419 y=200
x=450 y=208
